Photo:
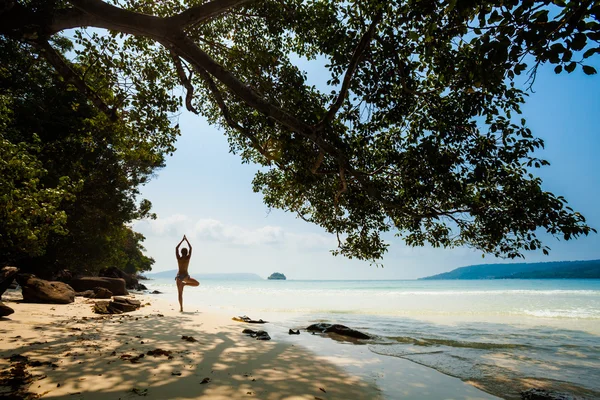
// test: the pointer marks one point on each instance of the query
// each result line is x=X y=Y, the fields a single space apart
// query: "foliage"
x=419 y=131
x=71 y=175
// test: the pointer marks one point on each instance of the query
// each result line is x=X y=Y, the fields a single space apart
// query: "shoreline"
x=76 y=354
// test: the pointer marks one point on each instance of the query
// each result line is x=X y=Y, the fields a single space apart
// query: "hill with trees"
x=589 y=269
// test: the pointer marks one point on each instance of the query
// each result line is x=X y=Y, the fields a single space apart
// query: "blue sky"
x=206 y=193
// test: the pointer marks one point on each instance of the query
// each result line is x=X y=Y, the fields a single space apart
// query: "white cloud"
x=174 y=225
x=211 y=229
x=217 y=231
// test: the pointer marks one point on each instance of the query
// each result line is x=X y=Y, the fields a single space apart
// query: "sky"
x=206 y=193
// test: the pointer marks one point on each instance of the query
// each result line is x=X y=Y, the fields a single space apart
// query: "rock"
x=131 y=282
x=189 y=339
x=249 y=320
x=115 y=285
x=119 y=305
x=101 y=293
x=64 y=275
x=124 y=304
x=155 y=292
x=87 y=294
x=258 y=335
x=5 y=310
x=294 y=332
x=7 y=276
x=543 y=394
x=339 y=329
x=40 y=291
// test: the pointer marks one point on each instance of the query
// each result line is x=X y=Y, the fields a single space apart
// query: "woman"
x=183 y=278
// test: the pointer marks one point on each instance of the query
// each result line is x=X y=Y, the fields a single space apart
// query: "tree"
x=70 y=175
x=420 y=133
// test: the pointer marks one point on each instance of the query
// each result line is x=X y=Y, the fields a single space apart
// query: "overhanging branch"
x=65 y=70
x=185 y=81
x=362 y=46
x=202 y=12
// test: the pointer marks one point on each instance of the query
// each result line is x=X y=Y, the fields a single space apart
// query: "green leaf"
x=558 y=69
x=589 y=70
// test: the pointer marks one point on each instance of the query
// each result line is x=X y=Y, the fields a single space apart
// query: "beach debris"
x=258 y=335
x=337 y=328
x=205 y=380
x=294 y=332
x=318 y=398
x=543 y=394
x=160 y=352
x=176 y=373
x=37 y=290
x=322 y=390
x=132 y=359
x=248 y=320
x=189 y=339
x=140 y=392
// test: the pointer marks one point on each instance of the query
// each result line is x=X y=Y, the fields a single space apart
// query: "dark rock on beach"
x=115 y=285
x=5 y=310
x=37 y=290
x=294 y=332
x=248 y=320
x=119 y=305
x=543 y=394
x=339 y=329
x=101 y=293
x=131 y=282
x=155 y=292
x=258 y=335
x=7 y=276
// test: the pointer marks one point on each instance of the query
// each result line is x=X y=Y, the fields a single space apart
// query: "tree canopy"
x=69 y=175
x=419 y=131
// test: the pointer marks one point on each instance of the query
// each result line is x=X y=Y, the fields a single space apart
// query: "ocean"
x=497 y=334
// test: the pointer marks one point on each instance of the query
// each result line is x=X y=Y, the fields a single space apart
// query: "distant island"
x=222 y=277
x=277 y=276
x=589 y=269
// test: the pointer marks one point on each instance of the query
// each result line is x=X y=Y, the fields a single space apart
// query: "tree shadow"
x=93 y=358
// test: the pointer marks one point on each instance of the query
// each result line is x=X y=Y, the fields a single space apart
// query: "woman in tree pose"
x=183 y=278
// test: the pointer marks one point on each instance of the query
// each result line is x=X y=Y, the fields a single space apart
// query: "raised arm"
x=188 y=243
x=177 y=248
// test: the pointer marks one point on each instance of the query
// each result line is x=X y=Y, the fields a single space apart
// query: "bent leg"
x=191 y=282
x=180 y=286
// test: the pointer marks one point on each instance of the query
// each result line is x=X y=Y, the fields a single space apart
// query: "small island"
x=277 y=276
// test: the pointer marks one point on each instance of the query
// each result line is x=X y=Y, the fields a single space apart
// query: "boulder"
x=5 y=310
x=119 y=305
x=115 y=285
x=101 y=293
x=87 y=294
x=131 y=282
x=7 y=276
x=339 y=329
x=125 y=305
x=37 y=290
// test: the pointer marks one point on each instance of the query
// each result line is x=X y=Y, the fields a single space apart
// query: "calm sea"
x=493 y=332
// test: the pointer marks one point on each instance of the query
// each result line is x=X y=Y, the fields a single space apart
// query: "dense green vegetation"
x=589 y=269
x=69 y=175
x=419 y=132
x=277 y=276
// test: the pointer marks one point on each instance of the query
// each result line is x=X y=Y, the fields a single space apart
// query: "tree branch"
x=185 y=81
x=65 y=70
x=229 y=119
x=202 y=12
x=362 y=46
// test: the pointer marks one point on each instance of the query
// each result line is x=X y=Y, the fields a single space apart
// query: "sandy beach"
x=70 y=352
